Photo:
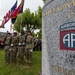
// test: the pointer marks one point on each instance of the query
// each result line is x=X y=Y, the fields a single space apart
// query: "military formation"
x=18 y=47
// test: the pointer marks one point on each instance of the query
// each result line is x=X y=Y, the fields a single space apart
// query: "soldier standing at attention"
x=21 y=49
x=14 y=44
x=29 y=44
x=7 y=42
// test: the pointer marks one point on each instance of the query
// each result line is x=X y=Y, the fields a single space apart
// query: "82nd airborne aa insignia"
x=67 y=36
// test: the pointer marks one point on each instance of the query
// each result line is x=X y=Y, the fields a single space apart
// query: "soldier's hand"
x=12 y=45
x=23 y=43
x=10 y=49
x=31 y=50
x=19 y=44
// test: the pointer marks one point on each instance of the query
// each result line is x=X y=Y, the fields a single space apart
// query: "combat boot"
x=7 y=62
x=27 y=66
x=20 y=64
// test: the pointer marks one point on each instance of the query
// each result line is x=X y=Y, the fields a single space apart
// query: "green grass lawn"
x=15 y=70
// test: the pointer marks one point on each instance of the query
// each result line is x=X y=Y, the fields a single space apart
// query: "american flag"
x=8 y=15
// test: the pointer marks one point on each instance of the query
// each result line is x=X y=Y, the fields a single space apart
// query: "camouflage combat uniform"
x=7 y=43
x=14 y=48
x=21 y=49
x=28 y=48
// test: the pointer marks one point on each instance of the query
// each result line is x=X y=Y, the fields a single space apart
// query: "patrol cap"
x=15 y=32
x=22 y=32
x=8 y=33
x=29 y=31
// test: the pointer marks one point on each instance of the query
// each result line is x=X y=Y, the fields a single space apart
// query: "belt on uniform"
x=12 y=45
x=15 y=45
x=28 y=42
x=7 y=44
x=21 y=44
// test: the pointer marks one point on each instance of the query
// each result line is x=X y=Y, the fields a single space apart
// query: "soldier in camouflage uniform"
x=29 y=43
x=21 y=49
x=7 y=43
x=14 y=48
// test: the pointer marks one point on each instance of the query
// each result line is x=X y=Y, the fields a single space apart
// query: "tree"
x=23 y=20
x=44 y=1
x=28 y=20
x=39 y=34
x=40 y=16
x=17 y=24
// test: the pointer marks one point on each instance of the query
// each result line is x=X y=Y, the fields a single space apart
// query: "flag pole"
x=21 y=23
x=22 y=2
x=13 y=24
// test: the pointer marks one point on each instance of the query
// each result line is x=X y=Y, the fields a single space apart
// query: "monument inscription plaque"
x=58 y=47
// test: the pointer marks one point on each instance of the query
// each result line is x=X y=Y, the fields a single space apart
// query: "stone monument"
x=58 y=49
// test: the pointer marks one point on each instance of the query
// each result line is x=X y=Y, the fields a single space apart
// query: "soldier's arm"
x=32 y=42
x=10 y=40
x=4 y=39
x=17 y=40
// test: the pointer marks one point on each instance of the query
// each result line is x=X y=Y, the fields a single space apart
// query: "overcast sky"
x=5 y=5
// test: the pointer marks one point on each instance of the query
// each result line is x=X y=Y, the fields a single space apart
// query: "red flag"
x=15 y=13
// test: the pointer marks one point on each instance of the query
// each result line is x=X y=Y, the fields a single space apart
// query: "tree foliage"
x=40 y=34
x=29 y=20
x=44 y=1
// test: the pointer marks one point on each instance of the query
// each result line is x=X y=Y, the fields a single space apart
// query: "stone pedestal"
x=58 y=49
